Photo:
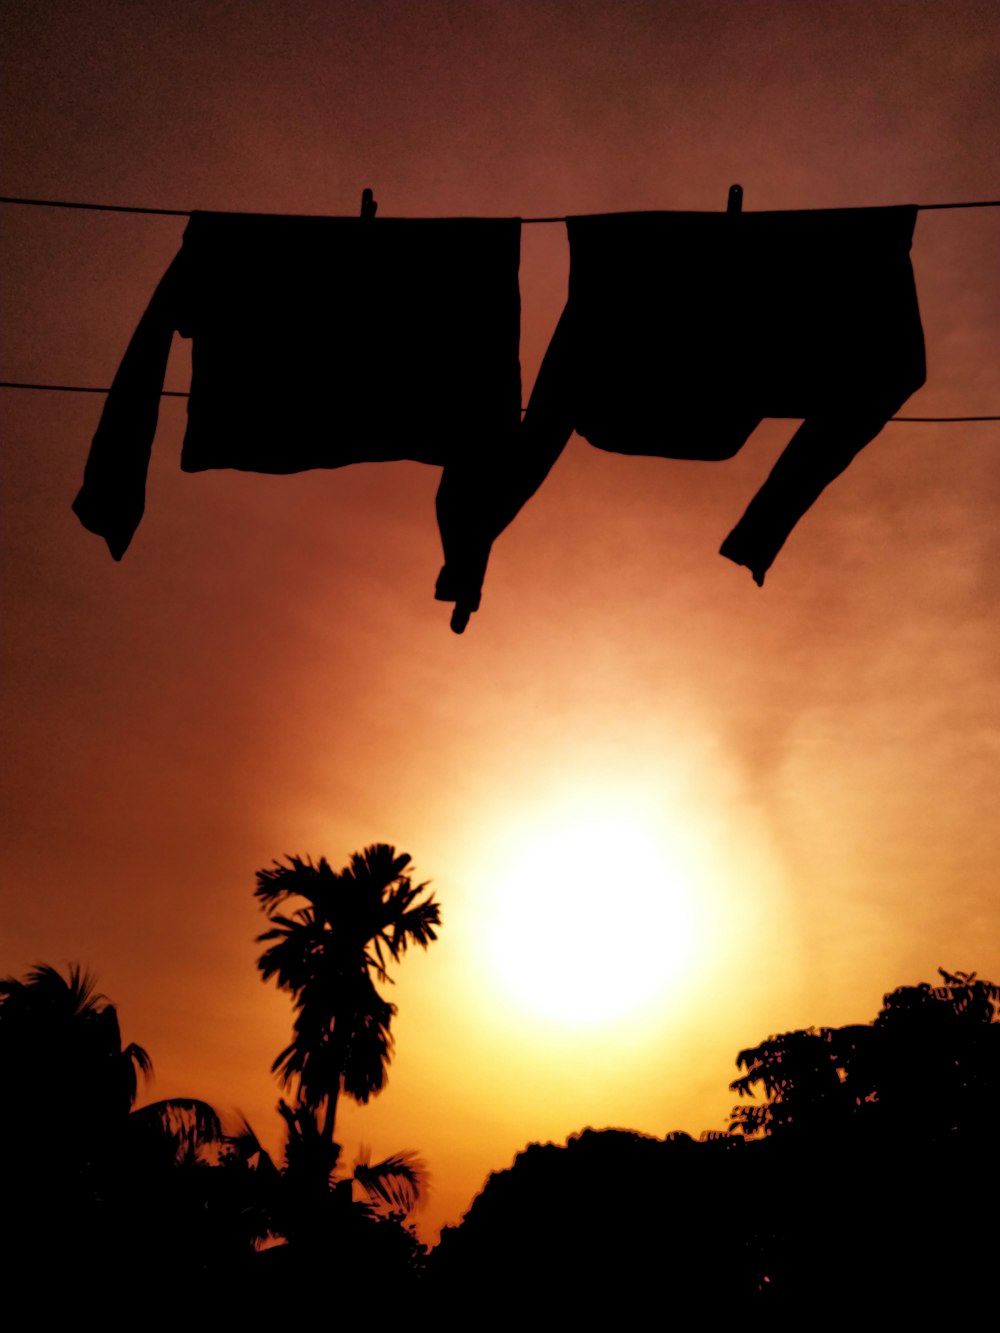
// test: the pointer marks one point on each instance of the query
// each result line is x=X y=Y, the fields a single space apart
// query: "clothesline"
x=186 y=212
x=178 y=393
x=177 y=212
x=276 y=306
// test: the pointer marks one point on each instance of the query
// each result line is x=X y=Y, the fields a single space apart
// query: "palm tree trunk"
x=334 y=1061
x=330 y=1114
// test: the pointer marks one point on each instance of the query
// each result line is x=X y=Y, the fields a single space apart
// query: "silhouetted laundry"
x=318 y=342
x=683 y=330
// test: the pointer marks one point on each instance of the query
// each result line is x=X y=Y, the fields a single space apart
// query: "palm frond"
x=181 y=1128
x=415 y=924
x=245 y=1143
x=378 y=865
x=397 y=1182
x=298 y=878
x=140 y=1057
x=74 y=996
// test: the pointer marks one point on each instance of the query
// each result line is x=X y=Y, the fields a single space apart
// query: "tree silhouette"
x=328 y=955
x=70 y=1083
x=613 y=1227
x=861 y=1186
x=943 y=1039
x=345 y=931
x=58 y=1032
x=81 y=1171
x=881 y=1153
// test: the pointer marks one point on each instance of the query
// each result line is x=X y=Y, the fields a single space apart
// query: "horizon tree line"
x=886 y=1110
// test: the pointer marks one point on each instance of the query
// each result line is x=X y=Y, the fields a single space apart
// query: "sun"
x=594 y=916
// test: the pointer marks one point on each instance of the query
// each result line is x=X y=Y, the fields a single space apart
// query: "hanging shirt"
x=683 y=330
x=318 y=342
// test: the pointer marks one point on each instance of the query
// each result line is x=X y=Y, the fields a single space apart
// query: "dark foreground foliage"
x=112 y=1212
x=862 y=1188
x=858 y=1184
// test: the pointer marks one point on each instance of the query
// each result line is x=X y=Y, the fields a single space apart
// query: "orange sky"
x=808 y=771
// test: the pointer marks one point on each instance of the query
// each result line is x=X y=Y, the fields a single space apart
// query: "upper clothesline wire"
x=186 y=213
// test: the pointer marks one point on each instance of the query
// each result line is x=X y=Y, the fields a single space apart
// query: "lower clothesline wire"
x=178 y=393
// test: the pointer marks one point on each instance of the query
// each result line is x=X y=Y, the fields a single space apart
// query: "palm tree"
x=59 y=1030
x=61 y=1046
x=308 y=1200
x=82 y=1173
x=67 y=1084
x=328 y=954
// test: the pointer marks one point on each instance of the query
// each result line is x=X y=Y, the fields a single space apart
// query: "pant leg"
x=475 y=502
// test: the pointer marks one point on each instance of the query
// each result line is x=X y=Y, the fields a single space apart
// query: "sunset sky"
x=665 y=812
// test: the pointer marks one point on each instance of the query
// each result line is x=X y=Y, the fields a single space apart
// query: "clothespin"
x=368 y=205
x=735 y=202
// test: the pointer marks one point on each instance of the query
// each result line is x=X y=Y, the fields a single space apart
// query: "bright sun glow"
x=595 y=916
